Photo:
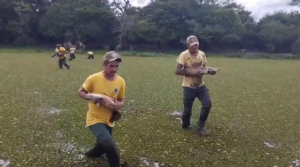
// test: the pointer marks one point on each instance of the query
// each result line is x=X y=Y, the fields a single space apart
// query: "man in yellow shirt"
x=90 y=55
x=72 y=53
x=62 y=58
x=57 y=46
x=193 y=84
x=108 y=83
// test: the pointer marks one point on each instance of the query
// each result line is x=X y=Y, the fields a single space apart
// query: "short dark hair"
x=105 y=62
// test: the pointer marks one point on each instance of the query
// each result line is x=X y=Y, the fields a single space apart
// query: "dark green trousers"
x=72 y=56
x=90 y=57
x=63 y=62
x=189 y=96
x=103 y=134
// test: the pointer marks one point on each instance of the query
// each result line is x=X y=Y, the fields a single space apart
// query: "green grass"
x=254 y=101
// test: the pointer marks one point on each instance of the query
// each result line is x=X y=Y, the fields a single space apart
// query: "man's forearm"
x=84 y=95
x=120 y=104
x=186 y=73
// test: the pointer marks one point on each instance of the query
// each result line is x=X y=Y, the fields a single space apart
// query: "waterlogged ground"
x=254 y=121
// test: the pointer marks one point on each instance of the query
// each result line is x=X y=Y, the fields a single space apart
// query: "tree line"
x=162 y=24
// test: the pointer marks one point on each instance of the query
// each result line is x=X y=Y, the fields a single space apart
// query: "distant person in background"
x=57 y=46
x=67 y=45
x=193 y=84
x=114 y=47
x=90 y=55
x=81 y=45
x=72 y=53
x=62 y=55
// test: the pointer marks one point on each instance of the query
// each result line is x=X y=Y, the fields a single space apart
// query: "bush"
x=263 y=56
x=142 y=54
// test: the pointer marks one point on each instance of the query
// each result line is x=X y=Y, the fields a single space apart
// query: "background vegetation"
x=223 y=26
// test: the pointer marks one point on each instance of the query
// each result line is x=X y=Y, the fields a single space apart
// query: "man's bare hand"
x=94 y=98
x=116 y=105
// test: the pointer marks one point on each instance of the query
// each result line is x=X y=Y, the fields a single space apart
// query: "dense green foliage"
x=223 y=26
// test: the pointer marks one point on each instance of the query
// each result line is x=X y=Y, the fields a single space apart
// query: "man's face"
x=111 y=67
x=193 y=48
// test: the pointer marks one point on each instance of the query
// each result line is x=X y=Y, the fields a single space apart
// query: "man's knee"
x=207 y=103
x=204 y=97
x=106 y=141
x=188 y=104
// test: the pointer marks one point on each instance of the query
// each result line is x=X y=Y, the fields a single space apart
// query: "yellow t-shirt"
x=90 y=53
x=62 y=53
x=188 y=60
x=72 y=50
x=98 y=84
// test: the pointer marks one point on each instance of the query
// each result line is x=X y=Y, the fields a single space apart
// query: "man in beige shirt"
x=193 y=84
